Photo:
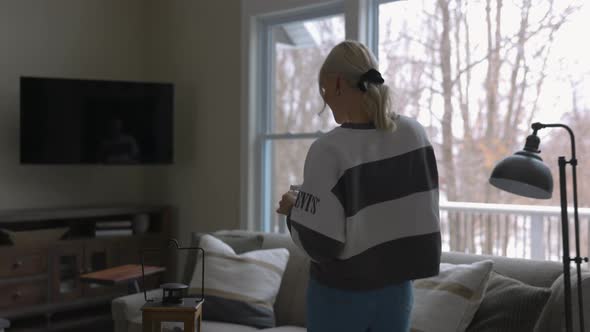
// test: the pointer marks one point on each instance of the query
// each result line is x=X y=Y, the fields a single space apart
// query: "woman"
x=367 y=212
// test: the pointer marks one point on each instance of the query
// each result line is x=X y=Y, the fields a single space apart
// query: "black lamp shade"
x=524 y=174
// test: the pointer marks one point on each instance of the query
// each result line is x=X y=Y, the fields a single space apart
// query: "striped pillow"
x=509 y=306
x=449 y=301
x=241 y=288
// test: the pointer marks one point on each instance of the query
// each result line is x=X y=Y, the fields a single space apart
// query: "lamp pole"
x=566 y=245
x=565 y=228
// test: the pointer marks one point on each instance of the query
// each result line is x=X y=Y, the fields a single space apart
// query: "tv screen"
x=75 y=121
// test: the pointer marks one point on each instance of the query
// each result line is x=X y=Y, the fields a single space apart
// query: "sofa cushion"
x=239 y=288
x=531 y=272
x=291 y=299
x=211 y=326
x=509 y=305
x=553 y=315
x=240 y=243
x=447 y=302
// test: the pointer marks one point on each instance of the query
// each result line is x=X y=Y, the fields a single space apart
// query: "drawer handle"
x=17 y=264
x=16 y=295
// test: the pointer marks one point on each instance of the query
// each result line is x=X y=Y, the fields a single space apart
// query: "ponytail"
x=358 y=65
x=376 y=99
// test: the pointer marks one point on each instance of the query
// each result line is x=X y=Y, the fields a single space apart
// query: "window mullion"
x=272 y=145
x=358 y=20
x=373 y=26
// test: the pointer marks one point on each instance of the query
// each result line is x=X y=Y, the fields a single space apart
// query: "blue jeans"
x=382 y=310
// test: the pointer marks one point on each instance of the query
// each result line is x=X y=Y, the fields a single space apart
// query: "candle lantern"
x=175 y=305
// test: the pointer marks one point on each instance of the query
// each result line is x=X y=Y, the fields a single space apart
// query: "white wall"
x=65 y=38
x=196 y=45
x=193 y=44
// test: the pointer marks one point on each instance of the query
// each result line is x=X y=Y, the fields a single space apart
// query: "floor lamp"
x=525 y=174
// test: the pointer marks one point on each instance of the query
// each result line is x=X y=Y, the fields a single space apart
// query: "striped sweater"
x=367 y=213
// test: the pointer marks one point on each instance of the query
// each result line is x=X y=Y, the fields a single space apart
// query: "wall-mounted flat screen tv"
x=81 y=121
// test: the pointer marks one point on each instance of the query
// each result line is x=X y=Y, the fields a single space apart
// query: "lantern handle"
x=172 y=243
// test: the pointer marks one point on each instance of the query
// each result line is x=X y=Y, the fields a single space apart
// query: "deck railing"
x=523 y=231
x=520 y=231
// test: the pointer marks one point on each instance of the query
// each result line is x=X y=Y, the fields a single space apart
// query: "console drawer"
x=22 y=263
x=15 y=295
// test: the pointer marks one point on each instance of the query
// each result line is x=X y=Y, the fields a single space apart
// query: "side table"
x=189 y=312
x=129 y=273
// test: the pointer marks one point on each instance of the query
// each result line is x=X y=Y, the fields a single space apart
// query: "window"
x=476 y=74
x=293 y=117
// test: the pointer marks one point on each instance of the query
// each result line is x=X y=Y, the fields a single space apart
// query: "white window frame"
x=257 y=18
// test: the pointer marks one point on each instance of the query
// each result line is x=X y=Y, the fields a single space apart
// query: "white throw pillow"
x=239 y=288
x=448 y=302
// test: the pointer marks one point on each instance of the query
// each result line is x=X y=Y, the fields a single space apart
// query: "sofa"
x=290 y=302
x=4 y=324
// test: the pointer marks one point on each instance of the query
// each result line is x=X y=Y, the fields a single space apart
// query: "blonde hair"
x=352 y=60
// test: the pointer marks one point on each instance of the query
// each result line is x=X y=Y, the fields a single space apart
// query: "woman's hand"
x=286 y=203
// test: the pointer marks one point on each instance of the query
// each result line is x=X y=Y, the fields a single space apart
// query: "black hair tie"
x=371 y=76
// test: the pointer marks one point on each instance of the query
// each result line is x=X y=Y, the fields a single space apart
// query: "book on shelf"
x=113 y=232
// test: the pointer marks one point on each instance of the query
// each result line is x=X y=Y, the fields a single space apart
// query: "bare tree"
x=494 y=93
x=479 y=92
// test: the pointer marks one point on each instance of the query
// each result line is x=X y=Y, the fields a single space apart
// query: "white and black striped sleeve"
x=317 y=221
